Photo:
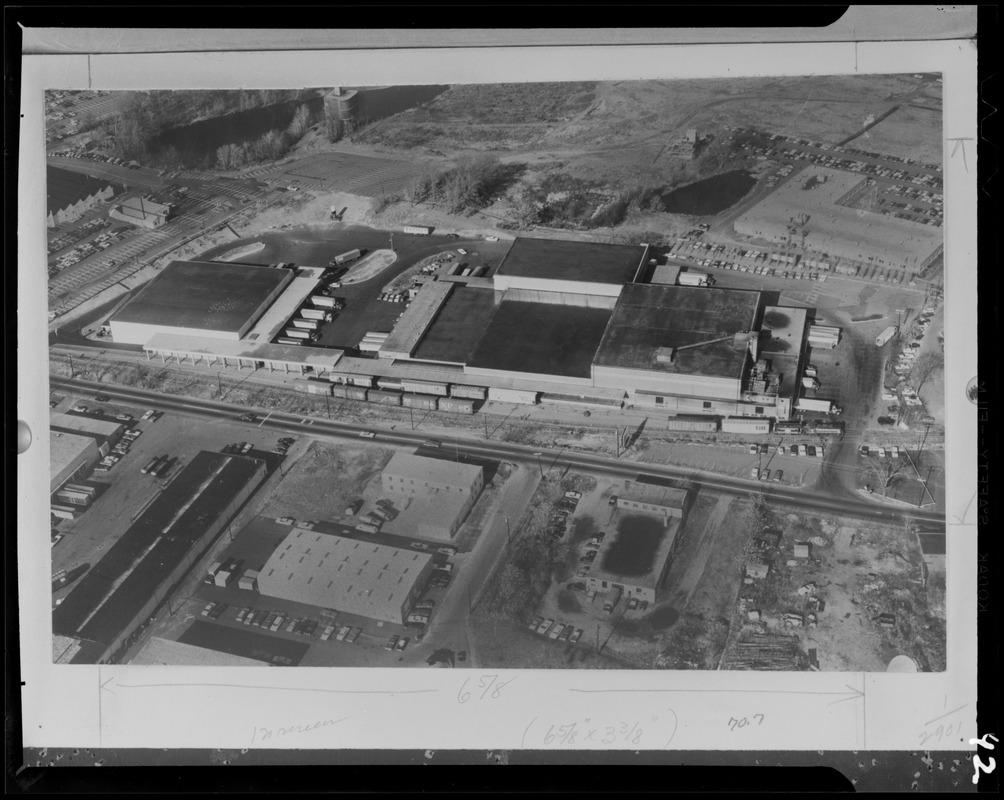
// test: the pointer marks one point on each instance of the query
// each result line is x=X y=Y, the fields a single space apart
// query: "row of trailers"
x=709 y=424
x=425 y=395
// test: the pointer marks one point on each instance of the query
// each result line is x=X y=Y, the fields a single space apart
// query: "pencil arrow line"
x=243 y=687
x=851 y=694
x=105 y=684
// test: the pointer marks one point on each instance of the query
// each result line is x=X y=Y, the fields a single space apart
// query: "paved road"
x=594 y=464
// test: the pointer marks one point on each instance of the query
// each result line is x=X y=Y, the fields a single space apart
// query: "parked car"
x=575 y=636
x=535 y=623
x=555 y=632
x=391 y=643
x=545 y=626
x=613 y=500
x=367 y=434
x=632 y=604
x=102 y=398
x=753 y=449
x=401 y=644
x=565 y=634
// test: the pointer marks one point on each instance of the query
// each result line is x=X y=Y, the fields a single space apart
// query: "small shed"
x=757 y=569
x=801 y=550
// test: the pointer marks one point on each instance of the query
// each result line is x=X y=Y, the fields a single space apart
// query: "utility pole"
x=925 y=490
x=539 y=465
x=392 y=241
x=597 y=640
x=508 y=531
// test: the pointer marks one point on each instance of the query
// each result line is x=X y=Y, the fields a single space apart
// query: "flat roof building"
x=683 y=348
x=193 y=298
x=636 y=558
x=141 y=212
x=439 y=494
x=70 y=455
x=105 y=432
x=559 y=265
x=356 y=577
x=164 y=652
x=134 y=575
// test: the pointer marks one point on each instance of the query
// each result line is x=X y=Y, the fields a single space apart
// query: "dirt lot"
x=327 y=479
x=833 y=598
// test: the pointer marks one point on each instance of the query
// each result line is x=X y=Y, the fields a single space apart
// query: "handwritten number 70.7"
x=742 y=722
x=490 y=687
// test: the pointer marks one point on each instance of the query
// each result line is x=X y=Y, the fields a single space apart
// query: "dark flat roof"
x=555 y=259
x=456 y=329
x=64 y=188
x=144 y=556
x=541 y=338
x=648 y=317
x=211 y=296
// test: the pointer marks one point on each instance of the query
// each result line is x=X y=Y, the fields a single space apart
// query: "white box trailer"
x=307 y=324
x=523 y=396
x=347 y=256
x=323 y=301
x=886 y=335
x=692 y=279
x=316 y=313
x=298 y=333
x=813 y=404
x=418 y=230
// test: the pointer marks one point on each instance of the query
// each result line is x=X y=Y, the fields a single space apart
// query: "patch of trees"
x=144 y=116
x=473 y=183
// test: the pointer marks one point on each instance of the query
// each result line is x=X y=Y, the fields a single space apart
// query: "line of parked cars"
x=556 y=631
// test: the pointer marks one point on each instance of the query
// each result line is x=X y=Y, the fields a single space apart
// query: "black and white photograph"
x=506 y=378
x=593 y=375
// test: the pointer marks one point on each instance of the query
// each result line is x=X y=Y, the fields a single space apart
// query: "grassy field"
x=344 y=472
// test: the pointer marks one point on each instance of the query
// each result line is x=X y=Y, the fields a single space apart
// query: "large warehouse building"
x=560 y=322
x=138 y=571
x=196 y=299
x=438 y=494
x=348 y=575
x=105 y=432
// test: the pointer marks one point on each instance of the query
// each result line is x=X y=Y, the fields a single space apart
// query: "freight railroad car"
x=692 y=422
x=746 y=425
x=828 y=428
x=458 y=405
x=424 y=401
x=383 y=397
x=788 y=426
x=312 y=386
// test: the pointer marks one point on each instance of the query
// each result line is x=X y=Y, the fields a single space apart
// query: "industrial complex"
x=559 y=321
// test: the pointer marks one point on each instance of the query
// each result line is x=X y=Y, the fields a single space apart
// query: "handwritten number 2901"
x=490 y=687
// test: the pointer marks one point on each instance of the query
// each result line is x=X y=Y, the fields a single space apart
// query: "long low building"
x=330 y=571
x=137 y=572
x=105 y=432
x=70 y=195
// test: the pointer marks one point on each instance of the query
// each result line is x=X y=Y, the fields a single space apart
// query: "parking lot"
x=128 y=490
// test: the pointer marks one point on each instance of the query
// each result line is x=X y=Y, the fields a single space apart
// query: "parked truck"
x=346 y=257
x=695 y=279
x=886 y=335
x=316 y=313
x=307 y=324
x=613 y=598
x=298 y=333
x=418 y=230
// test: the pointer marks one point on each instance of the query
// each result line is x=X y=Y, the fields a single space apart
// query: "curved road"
x=547 y=458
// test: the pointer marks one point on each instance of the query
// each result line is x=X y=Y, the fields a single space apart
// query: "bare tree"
x=925 y=366
x=300 y=123
x=885 y=473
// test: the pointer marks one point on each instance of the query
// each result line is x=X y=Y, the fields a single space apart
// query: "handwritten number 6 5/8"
x=490 y=686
